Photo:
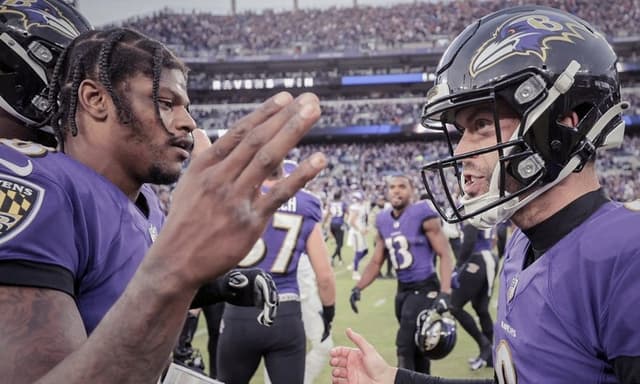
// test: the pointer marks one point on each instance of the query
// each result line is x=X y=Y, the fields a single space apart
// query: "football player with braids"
x=412 y=235
x=79 y=239
x=295 y=228
x=533 y=93
x=49 y=27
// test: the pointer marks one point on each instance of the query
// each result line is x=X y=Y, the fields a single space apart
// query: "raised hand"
x=218 y=210
x=361 y=365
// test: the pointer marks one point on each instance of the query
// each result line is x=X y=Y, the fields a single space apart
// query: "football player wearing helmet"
x=33 y=34
x=412 y=235
x=294 y=229
x=75 y=226
x=533 y=92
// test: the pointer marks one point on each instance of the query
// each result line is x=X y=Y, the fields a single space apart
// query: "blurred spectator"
x=359 y=29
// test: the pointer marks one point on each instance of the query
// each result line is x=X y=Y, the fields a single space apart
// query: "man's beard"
x=157 y=175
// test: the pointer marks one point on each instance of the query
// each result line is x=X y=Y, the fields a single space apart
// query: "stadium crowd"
x=344 y=113
x=364 y=166
x=334 y=113
x=347 y=29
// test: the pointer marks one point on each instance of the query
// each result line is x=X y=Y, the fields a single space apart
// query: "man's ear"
x=94 y=99
x=570 y=120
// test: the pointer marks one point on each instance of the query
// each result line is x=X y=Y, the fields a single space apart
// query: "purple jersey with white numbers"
x=563 y=317
x=55 y=211
x=337 y=210
x=285 y=239
x=404 y=238
x=483 y=241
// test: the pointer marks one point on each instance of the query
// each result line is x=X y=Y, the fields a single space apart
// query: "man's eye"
x=482 y=123
x=166 y=104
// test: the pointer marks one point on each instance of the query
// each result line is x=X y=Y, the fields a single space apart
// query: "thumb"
x=360 y=342
x=200 y=142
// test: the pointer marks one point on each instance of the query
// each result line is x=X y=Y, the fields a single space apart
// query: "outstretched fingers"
x=284 y=189
x=223 y=147
x=265 y=147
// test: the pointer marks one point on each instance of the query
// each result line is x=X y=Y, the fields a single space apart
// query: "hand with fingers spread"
x=361 y=365
x=218 y=208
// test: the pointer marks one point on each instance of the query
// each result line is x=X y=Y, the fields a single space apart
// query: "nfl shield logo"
x=20 y=201
x=153 y=232
x=511 y=292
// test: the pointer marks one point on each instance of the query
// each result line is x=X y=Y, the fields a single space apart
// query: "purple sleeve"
x=314 y=211
x=44 y=234
x=426 y=212
x=620 y=319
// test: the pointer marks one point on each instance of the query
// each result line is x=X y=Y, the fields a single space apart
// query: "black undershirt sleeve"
x=405 y=376
x=627 y=369
x=38 y=275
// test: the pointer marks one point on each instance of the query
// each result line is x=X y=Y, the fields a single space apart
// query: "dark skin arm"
x=373 y=268
x=38 y=329
x=218 y=210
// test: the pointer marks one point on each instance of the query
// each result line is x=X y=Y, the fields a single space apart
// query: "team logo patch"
x=40 y=13
x=525 y=35
x=472 y=268
x=20 y=201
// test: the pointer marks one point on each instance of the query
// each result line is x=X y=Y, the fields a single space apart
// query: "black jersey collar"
x=545 y=234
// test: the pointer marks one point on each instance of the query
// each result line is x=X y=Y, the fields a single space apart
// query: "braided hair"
x=110 y=57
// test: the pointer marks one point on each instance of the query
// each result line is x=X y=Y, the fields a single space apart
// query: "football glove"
x=243 y=287
x=355 y=297
x=328 y=313
x=442 y=303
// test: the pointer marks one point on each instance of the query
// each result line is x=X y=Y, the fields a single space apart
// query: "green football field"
x=376 y=321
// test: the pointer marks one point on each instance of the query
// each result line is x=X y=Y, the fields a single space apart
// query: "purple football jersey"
x=566 y=315
x=285 y=239
x=483 y=241
x=58 y=212
x=404 y=238
x=337 y=210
